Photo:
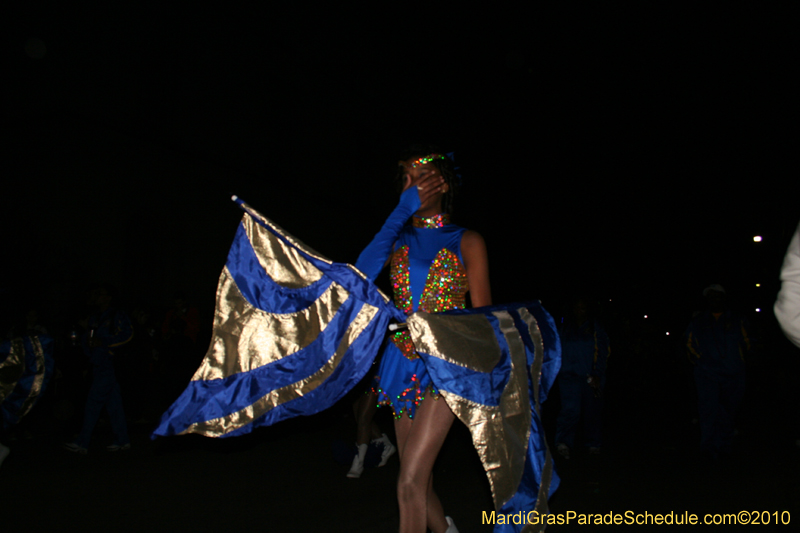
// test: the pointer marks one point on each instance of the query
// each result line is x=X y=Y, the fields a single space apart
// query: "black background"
x=632 y=152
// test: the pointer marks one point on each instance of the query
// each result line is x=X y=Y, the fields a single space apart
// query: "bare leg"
x=364 y=410
x=374 y=430
x=4 y=451
x=419 y=442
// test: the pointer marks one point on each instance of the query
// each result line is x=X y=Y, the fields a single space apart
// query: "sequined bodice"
x=427 y=272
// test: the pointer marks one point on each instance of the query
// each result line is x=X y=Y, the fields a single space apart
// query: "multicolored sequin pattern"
x=408 y=400
x=402 y=339
x=399 y=274
x=446 y=286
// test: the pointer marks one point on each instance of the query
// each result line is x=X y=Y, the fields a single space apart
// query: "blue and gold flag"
x=26 y=366
x=293 y=332
x=494 y=367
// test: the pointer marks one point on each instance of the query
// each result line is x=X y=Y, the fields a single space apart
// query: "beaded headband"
x=427 y=159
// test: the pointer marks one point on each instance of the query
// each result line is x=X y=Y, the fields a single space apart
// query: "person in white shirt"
x=787 y=306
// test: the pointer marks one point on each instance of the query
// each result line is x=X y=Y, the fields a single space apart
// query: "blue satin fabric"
x=527 y=494
x=408 y=381
x=373 y=258
x=207 y=400
x=480 y=387
x=259 y=289
x=486 y=388
x=13 y=403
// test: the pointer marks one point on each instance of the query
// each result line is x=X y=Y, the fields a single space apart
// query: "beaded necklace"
x=436 y=221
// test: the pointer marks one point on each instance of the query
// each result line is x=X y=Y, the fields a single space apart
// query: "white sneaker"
x=74 y=448
x=356 y=469
x=389 y=449
x=451 y=526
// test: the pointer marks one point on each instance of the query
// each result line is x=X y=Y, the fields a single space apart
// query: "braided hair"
x=445 y=166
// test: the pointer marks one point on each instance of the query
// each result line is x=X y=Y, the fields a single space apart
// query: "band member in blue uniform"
x=717 y=340
x=584 y=356
x=108 y=328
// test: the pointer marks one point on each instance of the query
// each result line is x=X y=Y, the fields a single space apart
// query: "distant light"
x=757 y=238
x=668 y=333
x=758 y=309
x=758 y=284
x=645 y=316
x=609 y=299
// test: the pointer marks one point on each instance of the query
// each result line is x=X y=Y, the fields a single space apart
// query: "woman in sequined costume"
x=433 y=265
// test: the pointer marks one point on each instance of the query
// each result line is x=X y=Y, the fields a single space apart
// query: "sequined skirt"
x=402 y=383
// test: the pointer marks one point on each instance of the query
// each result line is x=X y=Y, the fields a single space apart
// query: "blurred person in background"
x=180 y=354
x=717 y=340
x=106 y=329
x=582 y=378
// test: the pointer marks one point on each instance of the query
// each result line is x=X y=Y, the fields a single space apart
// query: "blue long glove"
x=374 y=256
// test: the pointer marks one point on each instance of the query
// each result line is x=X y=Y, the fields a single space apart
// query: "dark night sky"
x=634 y=152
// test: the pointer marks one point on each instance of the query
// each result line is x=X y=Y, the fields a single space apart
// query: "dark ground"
x=285 y=479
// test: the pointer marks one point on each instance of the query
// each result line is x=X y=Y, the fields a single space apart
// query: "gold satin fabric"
x=542 y=506
x=281 y=262
x=11 y=368
x=246 y=338
x=226 y=424
x=499 y=433
x=463 y=340
x=304 y=272
x=308 y=250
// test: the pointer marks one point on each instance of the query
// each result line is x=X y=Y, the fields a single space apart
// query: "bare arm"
x=476 y=261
